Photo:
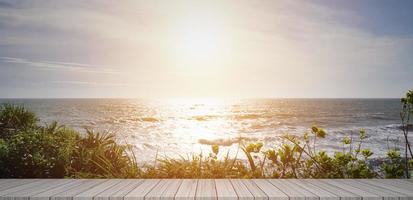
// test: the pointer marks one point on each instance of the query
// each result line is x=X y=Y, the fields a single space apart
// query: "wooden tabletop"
x=206 y=189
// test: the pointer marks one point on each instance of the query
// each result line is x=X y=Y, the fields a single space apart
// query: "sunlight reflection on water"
x=182 y=126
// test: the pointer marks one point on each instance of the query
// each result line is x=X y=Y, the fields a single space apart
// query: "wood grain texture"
x=142 y=189
x=95 y=190
x=364 y=194
x=343 y=194
x=26 y=193
x=254 y=189
x=206 y=190
x=386 y=194
x=187 y=189
x=24 y=186
x=241 y=190
x=118 y=191
x=225 y=190
x=385 y=186
x=293 y=191
x=73 y=191
x=9 y=183
x=322 y=193
x=45 y=195
x=165 y=190
x=270 y=190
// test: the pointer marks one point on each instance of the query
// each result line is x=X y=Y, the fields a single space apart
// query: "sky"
x=199 y=49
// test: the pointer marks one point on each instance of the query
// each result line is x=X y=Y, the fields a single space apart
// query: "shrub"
x=15 y=118
x=28 y=150
x=42 y=152
x=99 y=155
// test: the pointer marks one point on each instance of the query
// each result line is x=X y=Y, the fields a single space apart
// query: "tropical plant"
x=99 y=155
x=406 y=115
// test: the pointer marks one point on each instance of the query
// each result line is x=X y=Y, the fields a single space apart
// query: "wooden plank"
x=5 y=182
x=292 y=191
x=23 y=186
x=95 y=190
x=225 y=190
x=51 y=192
x=241 y=190
x=172 y=189
x=322 y=193
x=165 y=190
x=343 y=194
x=384 y=186
x=142 y=190
x=206 y=190
x=118 y=191
x=14 y=183
x=386 y=194
x=187 y=190
x=83 y=186
x=402 y=183
x=364 y=194
x=270 y=190
x=256 y=192
x=24 y=194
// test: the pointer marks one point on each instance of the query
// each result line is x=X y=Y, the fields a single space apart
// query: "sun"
x=198 y=45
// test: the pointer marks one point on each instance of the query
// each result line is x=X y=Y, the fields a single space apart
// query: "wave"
x=204 y=117
x=227 y=141
x=149 y=119
x=247 y=116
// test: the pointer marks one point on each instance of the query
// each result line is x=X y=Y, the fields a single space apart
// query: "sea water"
x=181 y=127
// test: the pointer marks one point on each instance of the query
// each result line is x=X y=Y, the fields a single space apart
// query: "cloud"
x=89 y=83
x=60 y=66
x=5 y=5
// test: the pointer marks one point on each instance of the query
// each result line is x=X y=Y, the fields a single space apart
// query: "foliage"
x=28 y=150
x=15 y=118
x=40 y=152
x=301 y=159
x=99 y=155
x=406 y=115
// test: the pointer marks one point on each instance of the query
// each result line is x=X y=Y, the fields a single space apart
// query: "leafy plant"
x=406 y=114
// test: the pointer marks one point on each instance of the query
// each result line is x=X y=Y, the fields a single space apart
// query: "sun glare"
x=198 y=45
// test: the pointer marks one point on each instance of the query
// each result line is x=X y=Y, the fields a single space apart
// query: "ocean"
x=180 y=127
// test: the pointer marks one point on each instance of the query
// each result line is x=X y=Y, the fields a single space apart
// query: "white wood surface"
x=142 y=190
x=26 y=193
x=294 y=192
x=13 y=183
x=120 y=190
x=364 y=194
x=45 y=195
x=343 y=194
x=322 y=193
x=386 y=194
x=187 y=190
x=205 y=189
x=241 y=190
x=385 y=186
x=270 y=190
x=165 y=190
x=225 y=190
x=95 y=190
x=254 y=189
x=70 y=193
